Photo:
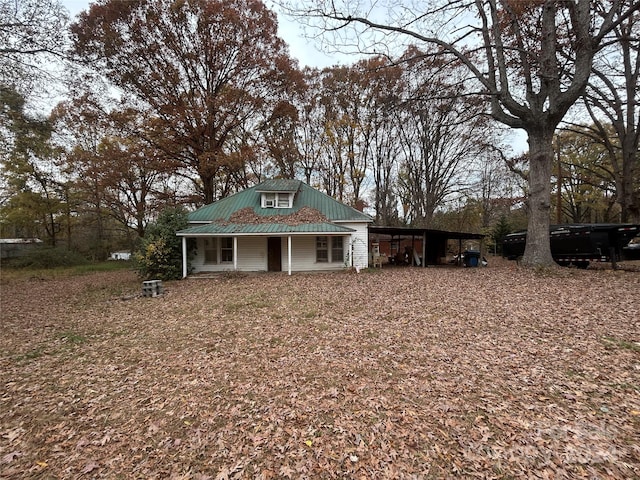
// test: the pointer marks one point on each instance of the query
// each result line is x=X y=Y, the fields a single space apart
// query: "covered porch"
x=213 y=247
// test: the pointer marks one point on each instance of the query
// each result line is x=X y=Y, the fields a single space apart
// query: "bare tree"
x=532 y=59
x=441 y=132
x=612 y=99
x=32 y=36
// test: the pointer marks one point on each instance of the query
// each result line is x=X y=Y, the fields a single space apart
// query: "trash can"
x=471 y=258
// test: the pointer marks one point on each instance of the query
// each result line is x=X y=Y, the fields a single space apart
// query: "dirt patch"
x=496 y=372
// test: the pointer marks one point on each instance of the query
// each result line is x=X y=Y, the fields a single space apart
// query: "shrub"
x=49 y=257
x=160 y=253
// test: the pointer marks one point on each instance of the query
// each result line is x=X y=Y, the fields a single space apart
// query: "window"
x=283 y=200
x=269 y=200
x=337 y=249
x=276 y=200
x=322 y=249
x=226 y=250
x=211 y=250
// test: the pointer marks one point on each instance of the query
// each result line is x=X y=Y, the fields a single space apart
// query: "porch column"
x=184 y=257
x=424 y=249
x=289 y=253
x=351 y=251
x=235 y=254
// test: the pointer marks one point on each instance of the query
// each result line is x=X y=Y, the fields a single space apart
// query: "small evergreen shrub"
x=159 y=255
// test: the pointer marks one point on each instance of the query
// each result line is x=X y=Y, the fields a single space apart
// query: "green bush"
x=160 y=253
x=49 y=257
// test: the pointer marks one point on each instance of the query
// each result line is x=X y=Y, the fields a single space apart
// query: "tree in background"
x=119 y=173
x=32 y=34
x=587 y=185
x=204 y=71
x=32 y=200
x=441 y=133
x=500 y=230
x=612 y=100
x=160 y=253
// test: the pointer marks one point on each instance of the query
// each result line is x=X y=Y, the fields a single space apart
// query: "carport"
x=434 y=242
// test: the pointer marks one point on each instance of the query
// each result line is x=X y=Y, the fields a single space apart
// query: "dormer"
x=278 y=193
x=276 y=199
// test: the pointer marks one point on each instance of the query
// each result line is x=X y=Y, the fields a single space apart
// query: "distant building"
x=17 y=247
x=120 y=255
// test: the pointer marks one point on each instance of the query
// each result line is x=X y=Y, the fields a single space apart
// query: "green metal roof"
x=279 y=185
x=305 y=196
x=263 y=229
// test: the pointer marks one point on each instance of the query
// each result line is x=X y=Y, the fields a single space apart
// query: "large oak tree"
x=204 y=70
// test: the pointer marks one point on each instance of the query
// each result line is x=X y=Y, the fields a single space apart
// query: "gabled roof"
x=305 y=196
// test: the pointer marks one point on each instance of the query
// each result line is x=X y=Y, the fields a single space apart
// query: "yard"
x=405 y=373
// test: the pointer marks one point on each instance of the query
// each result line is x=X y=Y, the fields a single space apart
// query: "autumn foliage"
x=205 y=71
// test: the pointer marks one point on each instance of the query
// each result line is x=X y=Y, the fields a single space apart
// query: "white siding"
x=252 y=254
x=359 y=244
x=303 y=256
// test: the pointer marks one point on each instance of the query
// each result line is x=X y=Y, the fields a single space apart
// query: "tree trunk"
x=208 y=184
x=627 y=196
x=538 y=249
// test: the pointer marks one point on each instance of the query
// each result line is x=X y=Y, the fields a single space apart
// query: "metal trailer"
x=579 y=244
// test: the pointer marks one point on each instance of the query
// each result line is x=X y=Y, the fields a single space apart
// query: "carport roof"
x=416 y=231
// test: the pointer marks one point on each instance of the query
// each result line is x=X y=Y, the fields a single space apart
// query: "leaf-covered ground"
x=405 y=373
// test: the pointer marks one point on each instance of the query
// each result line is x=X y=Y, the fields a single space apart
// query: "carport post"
x=413 y=251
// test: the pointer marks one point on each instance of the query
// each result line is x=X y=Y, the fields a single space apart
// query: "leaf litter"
x=405 y=373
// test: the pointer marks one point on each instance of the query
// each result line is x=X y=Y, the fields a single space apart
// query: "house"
x=277 y=225
x=121 y=255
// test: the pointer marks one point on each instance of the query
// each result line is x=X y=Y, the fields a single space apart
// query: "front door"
x=274 y=254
